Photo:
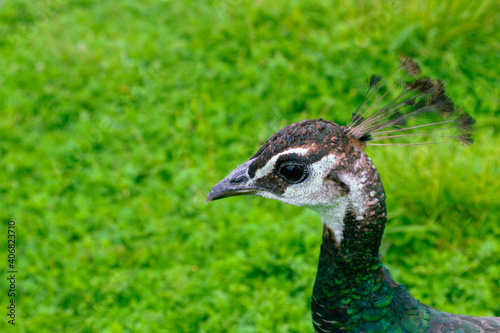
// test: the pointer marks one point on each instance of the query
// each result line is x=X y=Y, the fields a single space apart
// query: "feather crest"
x=423 y=103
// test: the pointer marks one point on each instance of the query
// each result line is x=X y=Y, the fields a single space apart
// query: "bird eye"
x=294 y=173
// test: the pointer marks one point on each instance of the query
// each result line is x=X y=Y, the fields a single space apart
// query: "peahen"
x=323 y=166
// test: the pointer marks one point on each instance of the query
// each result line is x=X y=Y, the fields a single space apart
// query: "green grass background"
x=117 y=117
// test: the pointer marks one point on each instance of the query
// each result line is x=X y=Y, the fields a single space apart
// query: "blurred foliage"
x=118 y=117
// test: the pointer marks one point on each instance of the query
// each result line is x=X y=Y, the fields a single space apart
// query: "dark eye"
x=294 y=173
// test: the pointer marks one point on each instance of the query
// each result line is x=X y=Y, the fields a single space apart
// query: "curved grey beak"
x=235 y=183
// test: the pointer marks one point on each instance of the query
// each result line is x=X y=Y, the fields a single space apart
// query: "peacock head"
x=319 y=164
x=311 y=163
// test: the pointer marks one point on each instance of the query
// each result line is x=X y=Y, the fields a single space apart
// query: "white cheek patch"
x=317 y=194
x=269 y=167
x=312 y=192
x=356 y=187
x=333 y=215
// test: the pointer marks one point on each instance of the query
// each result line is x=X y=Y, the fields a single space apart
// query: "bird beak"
x=235 y=183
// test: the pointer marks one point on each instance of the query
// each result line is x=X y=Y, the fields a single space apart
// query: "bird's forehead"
x=320 y=137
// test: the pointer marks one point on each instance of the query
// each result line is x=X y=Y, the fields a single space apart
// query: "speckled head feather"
x=318 y=135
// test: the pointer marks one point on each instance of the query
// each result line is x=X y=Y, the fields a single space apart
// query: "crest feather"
x=420 y=109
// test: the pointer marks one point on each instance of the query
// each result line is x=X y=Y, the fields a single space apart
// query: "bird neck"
x=352 y=286
x=354 y=224
x=352 y=262
x=352 y=259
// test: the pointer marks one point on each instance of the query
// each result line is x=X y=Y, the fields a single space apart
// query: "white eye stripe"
x=269 y=167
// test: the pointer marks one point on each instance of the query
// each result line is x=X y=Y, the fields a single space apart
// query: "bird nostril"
x=238 y=180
